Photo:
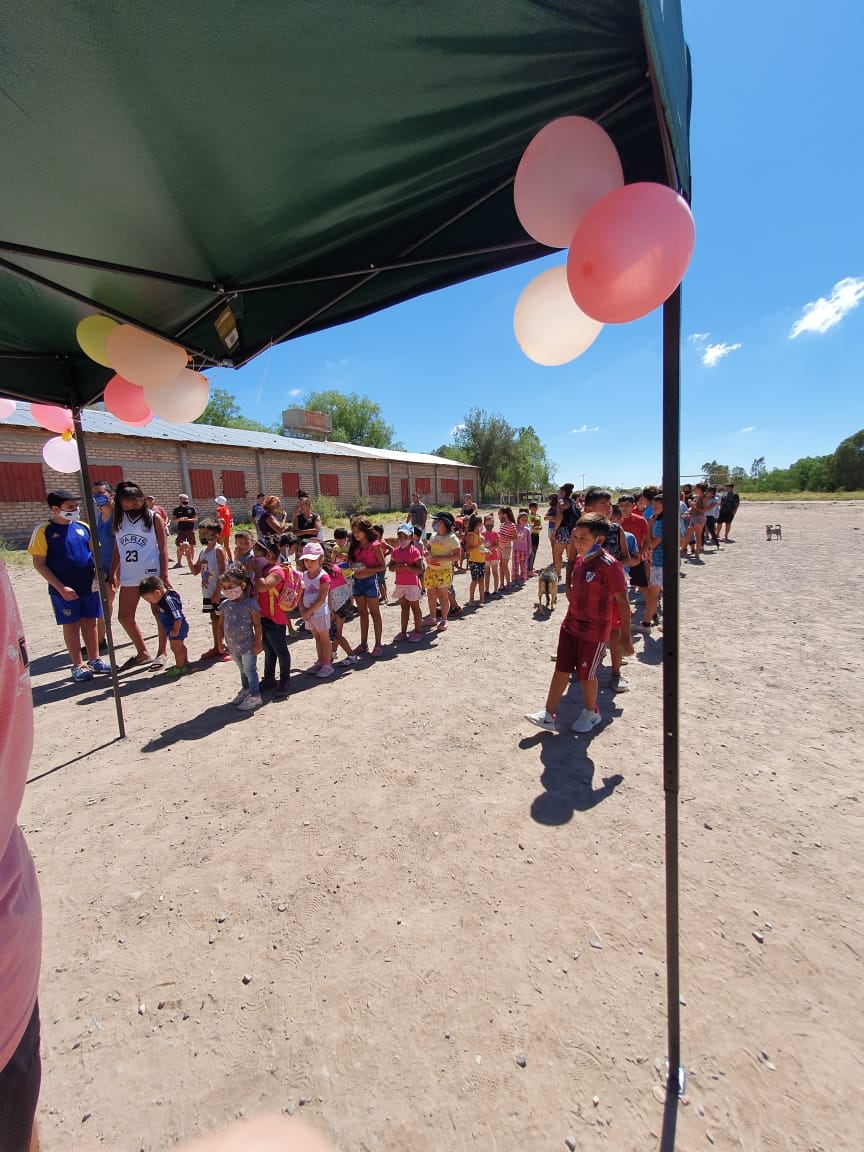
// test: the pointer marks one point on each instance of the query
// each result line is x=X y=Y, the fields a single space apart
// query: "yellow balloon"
x=92 y=332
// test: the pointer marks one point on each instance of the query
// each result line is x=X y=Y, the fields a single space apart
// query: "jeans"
x=275 y=638
x=247 y=662
x=19 y=1090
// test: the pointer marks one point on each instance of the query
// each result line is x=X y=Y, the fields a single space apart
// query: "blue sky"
x=777 y=199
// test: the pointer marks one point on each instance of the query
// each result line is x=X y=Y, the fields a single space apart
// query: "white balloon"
x=142 y=358
x=182 y=400
x=61 y=455
x=7 y=407
x=550 y=327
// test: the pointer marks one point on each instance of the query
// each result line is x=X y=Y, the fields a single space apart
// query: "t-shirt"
x=369 y=556
x=490 y=539
x=406 y=555
x=208 y=558
x=170 y=609
x=595 y=580
x=729 y=502
x=238 y=617
x=418 y=514
x=636 y=524
x=226 y=519
x=474 y=547
x=523 y=538
x=257 y=509
x=713 y=505
x=312 y=589
x=20 y=909
x=569 y=513
x=535 y=522
x=506 y=532
x=268 y=599
x=657 y=548
x=185 y=514
x=66 y=548
x=440 y=546
x=310 y=525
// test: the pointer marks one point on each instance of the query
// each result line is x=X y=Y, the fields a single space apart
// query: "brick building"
x=205 y=461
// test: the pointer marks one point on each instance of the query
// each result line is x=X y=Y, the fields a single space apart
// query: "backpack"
x=291 y=591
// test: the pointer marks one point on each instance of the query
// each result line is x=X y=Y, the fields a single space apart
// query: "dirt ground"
x=393 y=906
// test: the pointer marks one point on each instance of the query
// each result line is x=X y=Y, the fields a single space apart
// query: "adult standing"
x=272 y=520
x=566 y=515
x=184 y=518
x=418 y=513
x=274 y=622
x=729 y=502
x=226 y=525
x=469 y=508
x=103 y=500
x=157 y=508
x=20 y=908
x=306 y=523
x=141 y=551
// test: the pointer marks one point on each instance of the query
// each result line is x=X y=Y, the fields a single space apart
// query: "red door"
x=406 y=495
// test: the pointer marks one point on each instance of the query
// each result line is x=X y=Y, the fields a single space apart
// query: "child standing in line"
x=655 y=579
x=407 y=564
x=507 y=538
x=385 y=550
x=243 y=553
x=226 y=525
x=210 y=566
x=339 y=553
x=438 y=577
x=521 y=548
x=169 y=612
x=535 y=523
x=597 y=581
x=493 y=558
x=315 y=607
x=476 y=558
x=340 y=607
x=367 y=559
x=240 y=614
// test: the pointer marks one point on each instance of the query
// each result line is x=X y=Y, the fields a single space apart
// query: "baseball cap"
x=446 y=517
x=405 y=530
x=312 y=551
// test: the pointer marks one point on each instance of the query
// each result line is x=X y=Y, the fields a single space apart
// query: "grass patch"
x=14 y=557
x=752 y=497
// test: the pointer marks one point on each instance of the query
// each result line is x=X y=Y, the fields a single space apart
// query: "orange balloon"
x=143 y=359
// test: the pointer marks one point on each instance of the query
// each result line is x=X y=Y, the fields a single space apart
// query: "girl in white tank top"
x=138 y=550
x=141 y=551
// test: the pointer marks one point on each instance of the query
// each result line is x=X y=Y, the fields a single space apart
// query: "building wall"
x=159 y=466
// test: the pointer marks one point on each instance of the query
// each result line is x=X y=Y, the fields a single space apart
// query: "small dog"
x=773 y=530
x=547 y=589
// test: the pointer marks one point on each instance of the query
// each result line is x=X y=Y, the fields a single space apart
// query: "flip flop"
x=158 y=663
x=136 y=661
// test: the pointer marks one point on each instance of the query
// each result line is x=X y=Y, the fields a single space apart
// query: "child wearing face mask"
x=210 y=566
x=240 y=614
x=140 y=551
x=63 y=556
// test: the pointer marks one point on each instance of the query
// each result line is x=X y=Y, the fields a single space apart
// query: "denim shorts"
x=367 y=587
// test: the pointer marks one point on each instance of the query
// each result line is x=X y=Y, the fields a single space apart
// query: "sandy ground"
x=424 y=894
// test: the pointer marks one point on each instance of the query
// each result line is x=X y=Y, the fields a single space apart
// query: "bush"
x=326 y=508
x=359 y=506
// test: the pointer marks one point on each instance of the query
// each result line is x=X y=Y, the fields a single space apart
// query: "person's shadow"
x=567 y=778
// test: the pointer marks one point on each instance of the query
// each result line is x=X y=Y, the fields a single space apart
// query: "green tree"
x=489 y=443
x=849 y=462
x=529 y=469
x=224 y=411
x=451 y=452
x=356 y=419
x=757 y=468
x=813 y=474
x=714 y=473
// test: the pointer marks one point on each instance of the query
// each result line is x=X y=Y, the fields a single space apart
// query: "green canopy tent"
x=235 y=176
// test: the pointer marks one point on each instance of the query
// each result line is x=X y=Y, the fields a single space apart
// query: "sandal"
x=137 y=661
x=158 y=663
x=377 y=650
x=210 y=654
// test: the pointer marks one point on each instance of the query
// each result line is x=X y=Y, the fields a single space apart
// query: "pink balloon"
x=7 y=407
x=148 y=419
x=61 y=455
x=568 y=166
x=125 y=400
x=52 y=417
x=630 y=252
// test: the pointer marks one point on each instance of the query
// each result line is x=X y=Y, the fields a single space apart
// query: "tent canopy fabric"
x=302 y=164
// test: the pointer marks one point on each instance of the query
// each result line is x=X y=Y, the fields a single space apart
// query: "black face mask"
x=134 y=513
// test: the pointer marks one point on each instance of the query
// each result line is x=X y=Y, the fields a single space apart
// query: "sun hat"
x=312 y=551
x=220 y=500
x=405 y=530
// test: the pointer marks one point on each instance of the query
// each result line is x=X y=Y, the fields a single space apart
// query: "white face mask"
x=71 y=516
x=232 y=593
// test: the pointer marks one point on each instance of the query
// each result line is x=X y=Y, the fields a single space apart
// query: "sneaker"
x=587 y=721
x=178 y=670
x=400 y=636
x=241 y=696
x=415 y=637
x=349 y=660
x=324 y=671
x=442 y=625
x=377 y=650
x=250 y=703
x=81 y=673
x=313 y=670
x=282 y=690
x=541 y=719
x=100 y=667
x=361 y=650
x=619 y=684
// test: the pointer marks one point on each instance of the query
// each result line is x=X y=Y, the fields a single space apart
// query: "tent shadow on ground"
x=651 y=652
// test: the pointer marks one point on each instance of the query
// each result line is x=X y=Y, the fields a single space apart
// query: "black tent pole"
x=92 y=520
x=671 y=648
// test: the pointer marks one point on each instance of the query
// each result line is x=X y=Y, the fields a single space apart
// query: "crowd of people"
x=260 y=585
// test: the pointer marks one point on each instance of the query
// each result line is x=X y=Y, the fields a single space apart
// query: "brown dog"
x=547 y=589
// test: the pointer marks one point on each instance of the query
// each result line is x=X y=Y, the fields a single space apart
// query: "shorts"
x=437 y=578
x=339 y=597
x=477 y=569
x=583 y=657
x=725 y=517
x=562 y=535
x=20 y=1080
x=638 y=575
x=185 y=536
x=345 y=612
x=367 y=587
x=656 y=575
x=697 y=520
x=412 y=593
x=181 y=635
x=319 y=621
x=209 y=606
x=506 y=550
x=87 y=607
x=616 y=617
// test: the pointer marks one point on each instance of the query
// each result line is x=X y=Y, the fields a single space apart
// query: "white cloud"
x=822 y=314
x=295 y=392
x=457 y=428
x=584 y=428
x=698 y=338
x=715 y=352
x=749 y=428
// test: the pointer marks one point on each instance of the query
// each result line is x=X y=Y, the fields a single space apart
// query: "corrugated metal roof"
x=97 y=422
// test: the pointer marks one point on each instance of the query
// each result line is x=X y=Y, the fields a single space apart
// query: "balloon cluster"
x=629 y=245
x=151 y=374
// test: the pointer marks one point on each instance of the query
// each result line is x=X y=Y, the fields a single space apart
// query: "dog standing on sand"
x=547 y=589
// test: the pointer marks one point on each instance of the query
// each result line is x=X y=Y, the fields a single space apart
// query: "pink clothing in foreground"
x=20 y=910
